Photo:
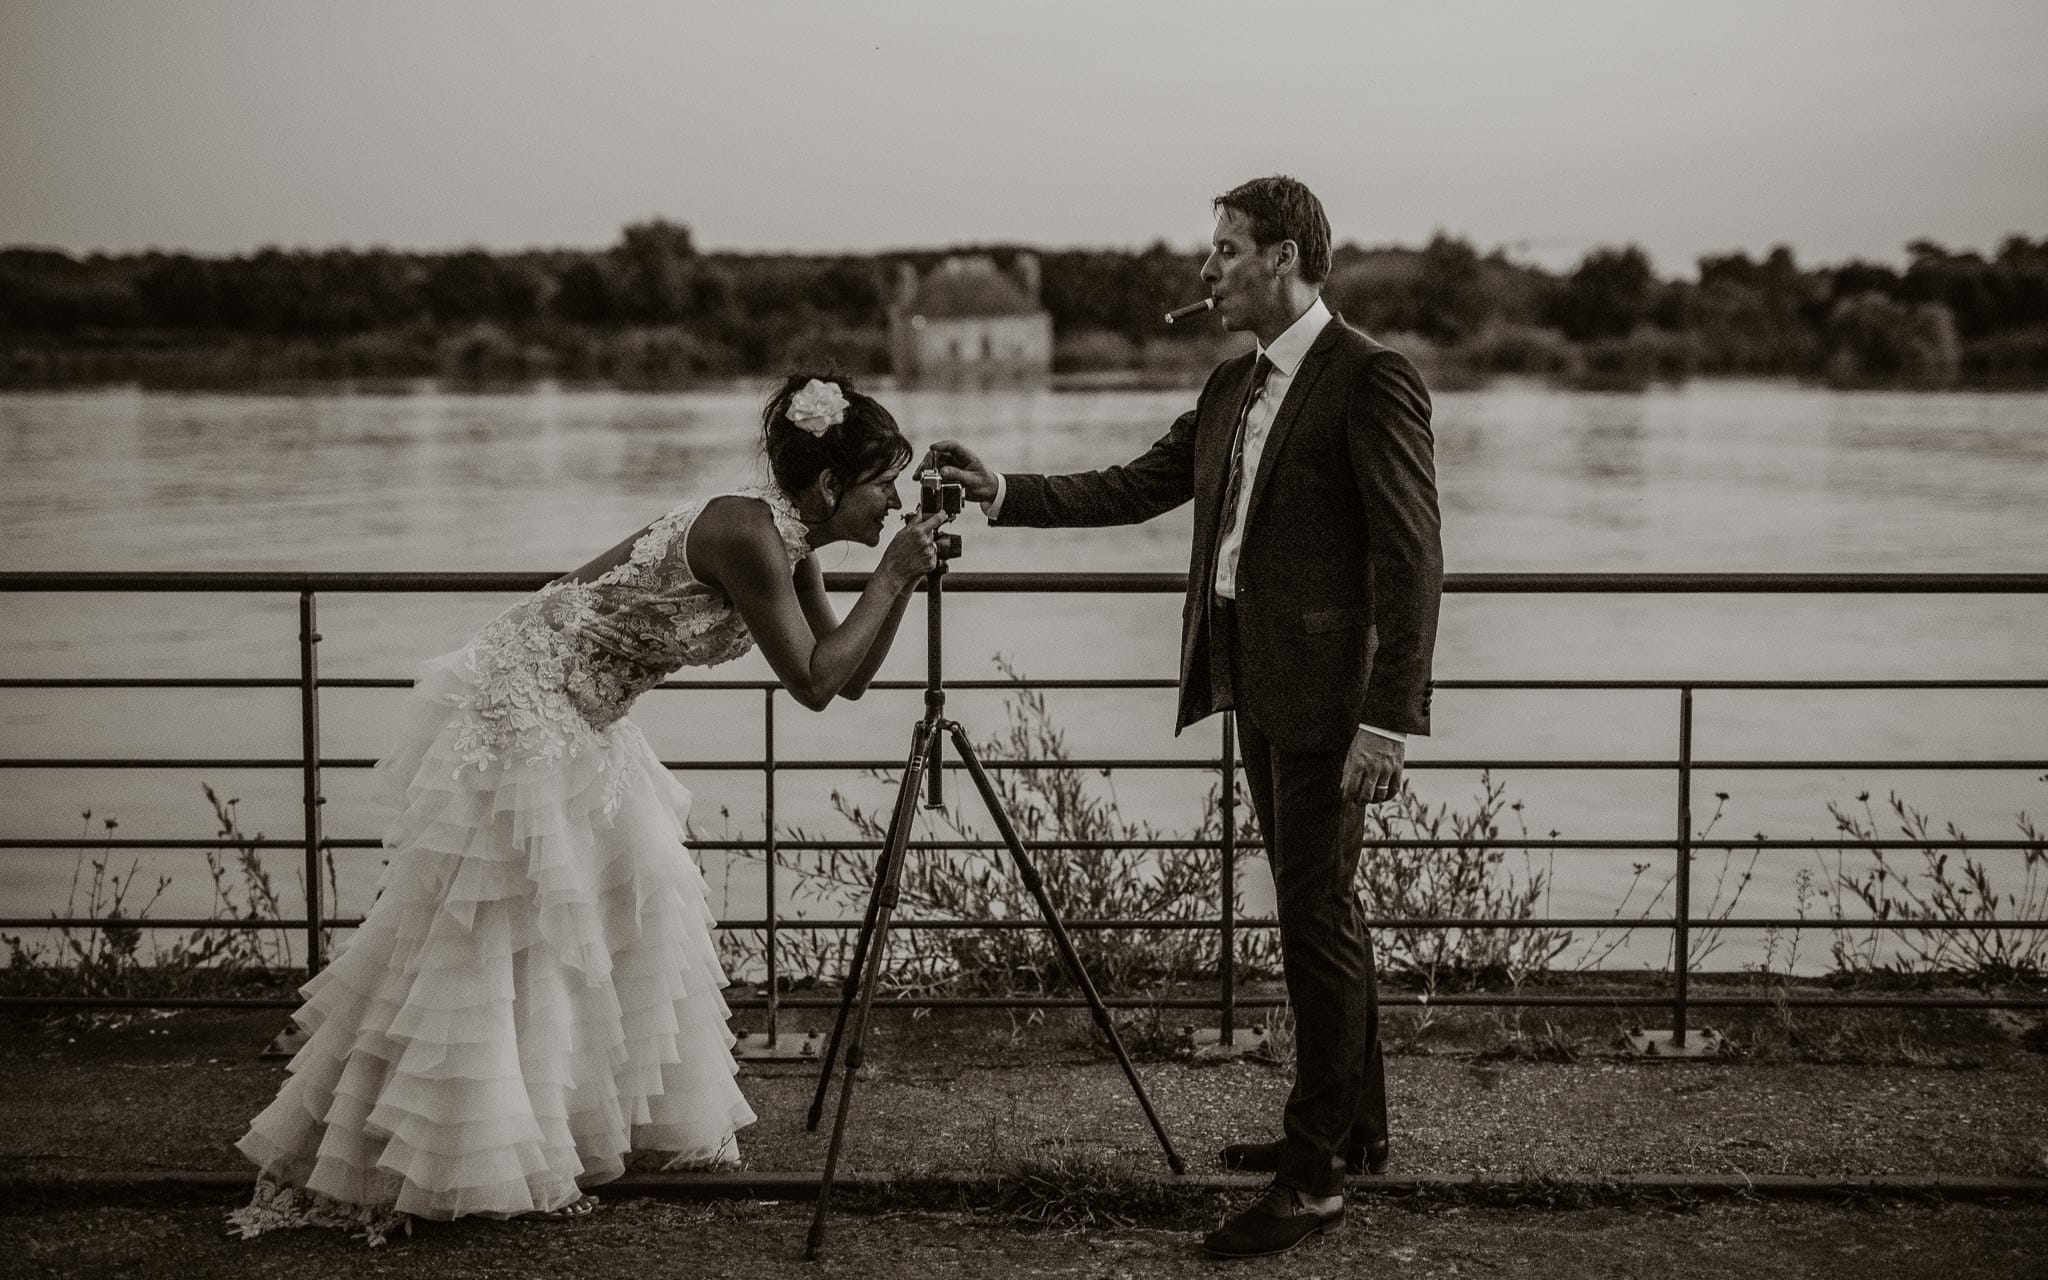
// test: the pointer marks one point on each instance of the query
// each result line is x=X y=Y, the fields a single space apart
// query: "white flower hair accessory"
x=818 y=407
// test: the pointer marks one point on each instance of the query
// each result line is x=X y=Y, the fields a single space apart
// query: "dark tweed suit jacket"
x=1341 y=565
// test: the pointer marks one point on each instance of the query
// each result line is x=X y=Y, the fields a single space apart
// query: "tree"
x=1976 y=293
x=180 y=290
x=474 y=285
x=1452 y=301
x=1380 y=290
x=653 y=261
x=1871 y=338
x=584 y=294
x=2025 y=264
x=1608 y=295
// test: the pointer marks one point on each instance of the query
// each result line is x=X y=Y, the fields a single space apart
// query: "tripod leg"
x=899 y=825
x=885 y=906
x=1061 y=940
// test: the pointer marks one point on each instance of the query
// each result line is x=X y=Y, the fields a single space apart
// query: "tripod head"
x=933 y=496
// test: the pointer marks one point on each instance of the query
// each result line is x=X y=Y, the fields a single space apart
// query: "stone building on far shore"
x=968 y=322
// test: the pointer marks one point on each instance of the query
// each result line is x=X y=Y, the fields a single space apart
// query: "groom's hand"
x=1372 y=768
x=958 y=464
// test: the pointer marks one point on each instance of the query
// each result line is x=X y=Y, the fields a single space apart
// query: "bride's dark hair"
x=860 y=446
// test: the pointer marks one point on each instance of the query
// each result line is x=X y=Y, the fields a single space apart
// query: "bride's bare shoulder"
x=736 y=515
x=732 y=531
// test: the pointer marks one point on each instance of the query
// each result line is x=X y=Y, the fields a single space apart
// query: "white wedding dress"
x=535 y=991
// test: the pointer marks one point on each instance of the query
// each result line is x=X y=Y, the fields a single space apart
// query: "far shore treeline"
x=653 y=310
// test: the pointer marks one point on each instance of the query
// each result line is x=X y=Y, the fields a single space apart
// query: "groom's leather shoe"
x=1264 y=1157
x=1275 y=1223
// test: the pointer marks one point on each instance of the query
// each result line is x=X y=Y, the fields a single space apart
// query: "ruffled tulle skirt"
x=534 y=993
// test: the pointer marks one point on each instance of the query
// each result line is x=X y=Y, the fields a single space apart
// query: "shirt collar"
x=1289 y=348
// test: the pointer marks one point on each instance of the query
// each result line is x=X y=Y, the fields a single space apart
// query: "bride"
x=535 y=991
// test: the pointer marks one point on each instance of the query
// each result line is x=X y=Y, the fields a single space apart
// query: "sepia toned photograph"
x=1011 y=639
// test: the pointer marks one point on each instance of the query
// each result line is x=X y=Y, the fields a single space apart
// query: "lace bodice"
x=554 y=672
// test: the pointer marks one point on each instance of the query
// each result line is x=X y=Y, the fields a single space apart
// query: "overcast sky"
x=1841 y=127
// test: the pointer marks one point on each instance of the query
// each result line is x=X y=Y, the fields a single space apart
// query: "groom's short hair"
x=1280 y=208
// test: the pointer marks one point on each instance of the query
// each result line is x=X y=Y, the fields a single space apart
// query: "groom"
x=1311 y=610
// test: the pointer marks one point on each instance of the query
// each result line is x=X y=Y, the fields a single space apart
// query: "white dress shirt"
x=1286 y=353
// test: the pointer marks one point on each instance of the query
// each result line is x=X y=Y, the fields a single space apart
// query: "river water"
x=1710 y=476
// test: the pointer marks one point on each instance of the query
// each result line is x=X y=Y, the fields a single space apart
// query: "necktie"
x=1233 y=491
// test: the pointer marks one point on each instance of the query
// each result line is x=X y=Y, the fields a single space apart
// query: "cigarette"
x=1192 y=309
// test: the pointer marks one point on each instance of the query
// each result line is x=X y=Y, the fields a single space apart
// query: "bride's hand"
x=913 y=552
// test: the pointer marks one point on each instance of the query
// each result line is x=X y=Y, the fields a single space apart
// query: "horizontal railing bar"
x=1051 y=682
x=262 y=582
x=1400 y=922
x=819 y=925
x=151 y=922
x=1164 y=926
x=1478 y=1000
x=758 y=686
x=1699 y=766
x=1473 y=999
x=216 y=843
x=1736 y=685
x=1745 y=583
x=267 y=581
x=1108 y=762
x=148 y=1002
x=1756 y=922
x=698 y=766
x=1813 y=843
x=1836 y=843
x=1821 y=843
x=158 y=682
x=163 y=762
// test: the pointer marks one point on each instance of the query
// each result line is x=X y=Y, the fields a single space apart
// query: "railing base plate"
x=286 y=1043
x=1700 y=1042
x=754 y=1046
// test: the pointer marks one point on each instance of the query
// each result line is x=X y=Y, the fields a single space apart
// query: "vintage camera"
x=935 y=495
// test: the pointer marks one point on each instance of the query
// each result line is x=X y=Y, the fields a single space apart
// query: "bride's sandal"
x=581 y=1207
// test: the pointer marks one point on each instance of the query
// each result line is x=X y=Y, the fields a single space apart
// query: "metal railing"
x=1683 y=765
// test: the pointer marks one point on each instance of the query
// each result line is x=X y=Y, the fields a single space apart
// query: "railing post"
x=1226 y=965
x=309 y=738
x=1681 y=937
x=768 y=879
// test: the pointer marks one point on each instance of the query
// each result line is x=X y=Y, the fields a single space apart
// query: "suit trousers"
x=1338 y=1106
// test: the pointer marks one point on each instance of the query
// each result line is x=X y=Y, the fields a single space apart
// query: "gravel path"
x=964 y=1097
x=982 y=1097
